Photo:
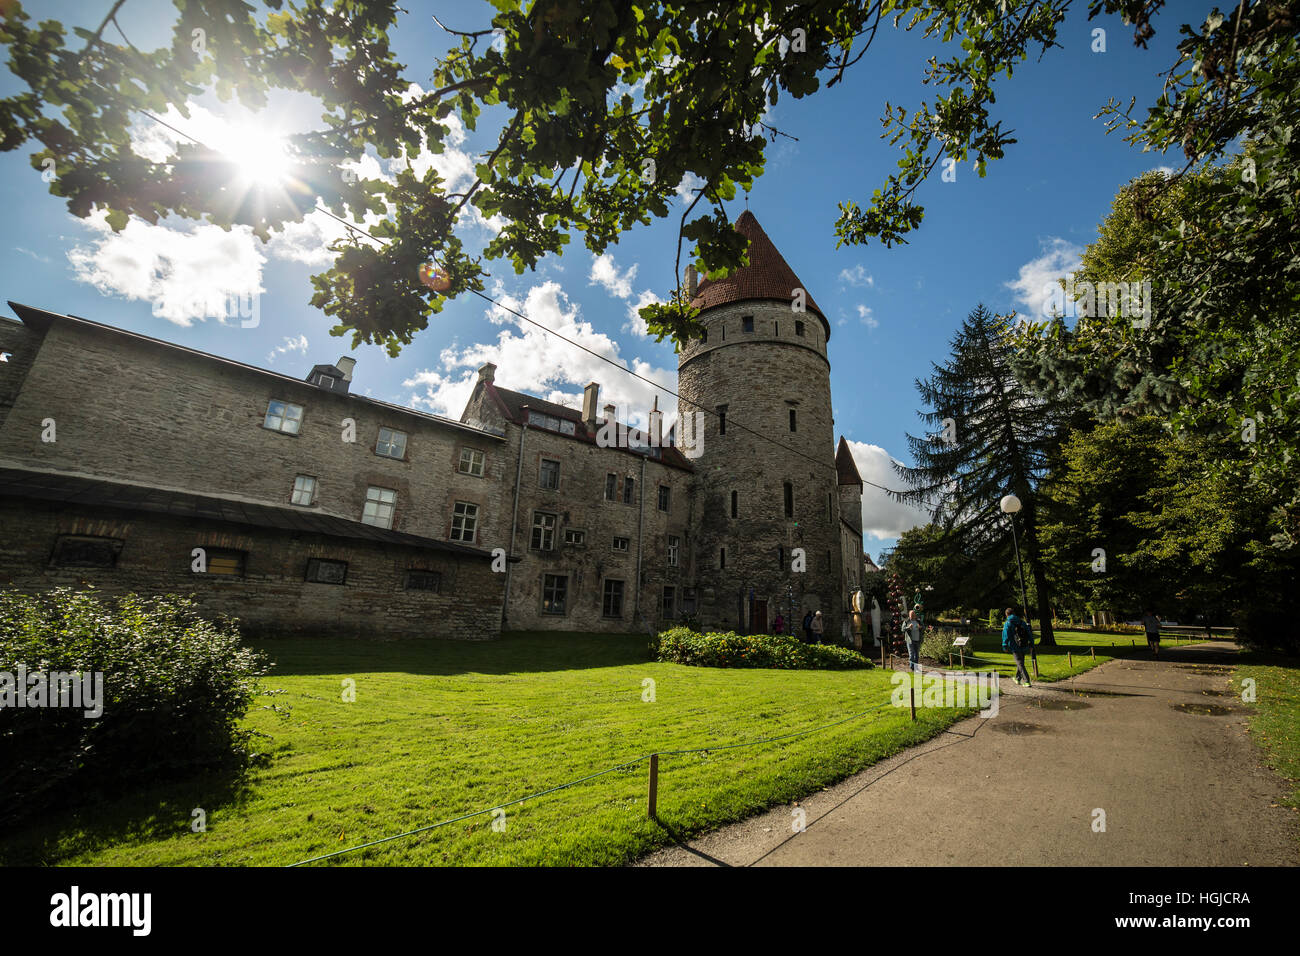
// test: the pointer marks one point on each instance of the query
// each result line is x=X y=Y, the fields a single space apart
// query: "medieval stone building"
x=134 y=464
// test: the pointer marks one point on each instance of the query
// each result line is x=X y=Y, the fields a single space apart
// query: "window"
x=327 y=381
x=621 y=544
x=85 y=551
x=776 y=328
x=423 y=581
x=391 y=444
x=611 y=487
x=668 y=606
x=224 y=562
x=464 y=522
x=789 y=500
x=555 y=592
x=722 y=559
x=704 y=337
x=323 y=571
x=304 y=490
x=723 y=329
x=379 y=507
x=798 y=327
x=612 y=605
x=747 y=324
x=471 y=462
x=629 y=490
x=722 y=419
x=688 y=600
x=665 y=497
x=830 y=508
x=780 y=556
x=551 y=423
x=673 y=543
x=550 y=475
x=543 y=531
x=283 y=417
x=574 y=537
x=734 y=504
x=793 y=420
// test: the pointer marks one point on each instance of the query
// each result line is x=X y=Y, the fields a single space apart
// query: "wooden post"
x=1093 y=652
x=1069 y=657
x=911 y=693
x=882 y=655
x=654 y=785
x=950 y=660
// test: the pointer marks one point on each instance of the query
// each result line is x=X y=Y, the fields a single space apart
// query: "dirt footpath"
x=1160 y=746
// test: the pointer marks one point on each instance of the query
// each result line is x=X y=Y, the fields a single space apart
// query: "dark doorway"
x=758 y=617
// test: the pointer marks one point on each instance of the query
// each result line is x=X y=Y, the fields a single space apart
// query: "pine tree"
x=992 y=437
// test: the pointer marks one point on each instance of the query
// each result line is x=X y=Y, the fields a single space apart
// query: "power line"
x=622 y=368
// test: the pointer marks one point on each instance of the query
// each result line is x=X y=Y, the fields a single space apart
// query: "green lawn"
x=1275 y=713
x=1069 y=657
x=440 y=729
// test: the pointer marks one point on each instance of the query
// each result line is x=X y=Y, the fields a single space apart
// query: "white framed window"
x=471 y=462
x=673 y=544
x=572 y=536
x=304 y=490
x=379 y=507
x=391 y=443
x=621 y=544
x=283 y=417
x=464 y=522
x=543 y=538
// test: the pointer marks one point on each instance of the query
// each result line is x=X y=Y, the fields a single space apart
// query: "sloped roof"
x=845 y=467
x=768 y=275
x=514 y=405
x=101 y=493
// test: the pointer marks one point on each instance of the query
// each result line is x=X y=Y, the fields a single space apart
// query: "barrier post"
x=1069 y=657
x=911 y=693
x=654 y=785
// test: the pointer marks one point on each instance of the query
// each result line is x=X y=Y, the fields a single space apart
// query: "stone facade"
x=529 y=518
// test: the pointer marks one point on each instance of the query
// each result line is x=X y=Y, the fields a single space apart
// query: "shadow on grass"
x=517 y=652
x=157 y=812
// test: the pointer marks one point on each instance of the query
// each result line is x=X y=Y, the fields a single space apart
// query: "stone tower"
x=761 y=372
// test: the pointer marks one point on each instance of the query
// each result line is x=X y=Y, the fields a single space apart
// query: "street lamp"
x=1010 y=504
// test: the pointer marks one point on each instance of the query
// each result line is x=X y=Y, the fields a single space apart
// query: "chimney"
x=610 y=412
x=487 y=373
x=656 y=426
x=590 y=395
x=345 y=365
x=692 y=280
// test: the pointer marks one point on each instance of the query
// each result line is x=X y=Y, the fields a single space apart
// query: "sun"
x=260 y=156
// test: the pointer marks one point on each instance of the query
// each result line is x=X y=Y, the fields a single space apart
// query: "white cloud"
x=185 y=275
x=867 y=319
x=298 y=344
x=604 y=271
x=857 y=276
x=533 y=361
x=882 y=516
x=688 y=187
x=1036 y=289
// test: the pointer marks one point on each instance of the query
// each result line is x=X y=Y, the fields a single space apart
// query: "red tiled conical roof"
x=845 y=467
x=768 y=275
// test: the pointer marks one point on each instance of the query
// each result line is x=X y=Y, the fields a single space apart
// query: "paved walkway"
x=1160 y=746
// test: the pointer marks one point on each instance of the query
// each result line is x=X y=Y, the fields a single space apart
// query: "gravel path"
x=1159 y=745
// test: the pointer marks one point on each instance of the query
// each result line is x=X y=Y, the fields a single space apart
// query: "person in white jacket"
x=818 y=626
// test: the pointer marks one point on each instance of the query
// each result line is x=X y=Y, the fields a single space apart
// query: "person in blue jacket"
x=1016 y=637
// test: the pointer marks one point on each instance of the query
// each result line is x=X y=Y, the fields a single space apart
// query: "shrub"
x=937 y=644
x=681 y=645
x=174 y=688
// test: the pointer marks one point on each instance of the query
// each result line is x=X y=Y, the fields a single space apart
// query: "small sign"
x=961 y=641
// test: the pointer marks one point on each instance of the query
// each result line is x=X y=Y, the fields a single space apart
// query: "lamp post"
x=1010 y=504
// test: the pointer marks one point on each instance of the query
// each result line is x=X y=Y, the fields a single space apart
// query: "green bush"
x=937 y=644
x=174 y=688
x=681 y=645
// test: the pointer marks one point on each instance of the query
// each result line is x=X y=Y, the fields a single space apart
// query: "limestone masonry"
x=134 y=464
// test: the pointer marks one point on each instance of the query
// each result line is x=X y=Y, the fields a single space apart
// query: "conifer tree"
x=991 y=437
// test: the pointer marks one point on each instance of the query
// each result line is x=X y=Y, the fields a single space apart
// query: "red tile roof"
x=768 y=275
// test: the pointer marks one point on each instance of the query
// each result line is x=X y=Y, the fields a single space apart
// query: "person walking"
x=912 y=635
x=778 y=626
x=807 y=627
x=818 y=626
x=1151 y=624
x=1016 y=636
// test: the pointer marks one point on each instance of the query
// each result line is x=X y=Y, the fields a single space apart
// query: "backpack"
x=1026 y=638
x=807 y=622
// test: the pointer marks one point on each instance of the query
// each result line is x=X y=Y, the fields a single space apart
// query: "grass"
x=440 y=729
x=1275 y=715
x=1068 y=658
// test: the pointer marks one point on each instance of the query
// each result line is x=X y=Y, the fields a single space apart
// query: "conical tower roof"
x=768 y=275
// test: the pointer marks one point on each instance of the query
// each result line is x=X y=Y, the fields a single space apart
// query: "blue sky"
x=996 y=240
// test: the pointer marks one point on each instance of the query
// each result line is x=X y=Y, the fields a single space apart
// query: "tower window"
x=793 y=420
x=789 y=500
x=704 y=337
x=798 y=327
x=722 y=419
x=611 y=487
x=723 y=330
x=734 y=508
x=722 y=559
x=780 y=556
x=747 y=323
